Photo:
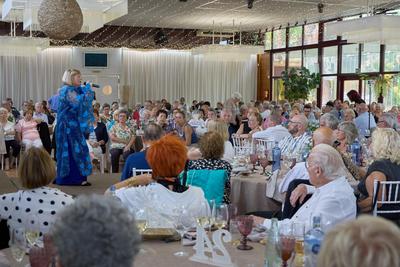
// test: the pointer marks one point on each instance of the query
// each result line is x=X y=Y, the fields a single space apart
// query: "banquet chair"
x=136 y=172
x=268 y=143
x=390 y=197
x=241 y=146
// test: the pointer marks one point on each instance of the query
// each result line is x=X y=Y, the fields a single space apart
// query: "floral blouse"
x=121 y=132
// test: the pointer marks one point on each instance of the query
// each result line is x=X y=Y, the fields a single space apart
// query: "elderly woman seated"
x=368 y=242
x=36 y=201
x=385 y=148
x=212 y=149
x=254 y=123
x=163 y=193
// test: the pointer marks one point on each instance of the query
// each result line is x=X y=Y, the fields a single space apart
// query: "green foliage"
x=299 y=82
x=382 y=83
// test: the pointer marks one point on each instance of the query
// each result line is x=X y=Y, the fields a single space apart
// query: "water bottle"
x=271 y=241
x=356 y=153
x=312 y=242
x=113 y=190
x=276 y=157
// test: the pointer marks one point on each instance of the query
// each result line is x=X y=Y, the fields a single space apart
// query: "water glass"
x=221 y=216
x=17 y=243
x=298 y=232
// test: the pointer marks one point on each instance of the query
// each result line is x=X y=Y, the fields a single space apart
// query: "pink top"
x=28 y=129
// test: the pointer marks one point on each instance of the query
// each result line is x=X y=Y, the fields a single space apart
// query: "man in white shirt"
x=299 y=138
x=39 y=114
x=333 y=198
x=361 y=121
x=275 y=130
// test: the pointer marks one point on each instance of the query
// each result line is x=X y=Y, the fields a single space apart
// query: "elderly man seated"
x=275 y=130
x=334 y=198
x=299 y=139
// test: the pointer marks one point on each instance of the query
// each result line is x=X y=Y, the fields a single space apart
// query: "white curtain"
x=171 y=74
x=35 y=77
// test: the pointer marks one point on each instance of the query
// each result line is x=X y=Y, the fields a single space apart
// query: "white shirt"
x=277 y=133
x=361 y=123
x=334 y=201
x=9 y=127
x=44 y=202
x=229 y=152
x=160 y=203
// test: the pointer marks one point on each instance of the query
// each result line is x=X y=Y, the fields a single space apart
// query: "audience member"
x=274 y=131
x=221 y=128
x=299 y=139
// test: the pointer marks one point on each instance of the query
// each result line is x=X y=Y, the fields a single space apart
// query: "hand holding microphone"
x=92 y=84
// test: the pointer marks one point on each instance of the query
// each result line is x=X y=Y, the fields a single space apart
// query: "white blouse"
x=9 y=127
x=161 y=203
x=20 y=207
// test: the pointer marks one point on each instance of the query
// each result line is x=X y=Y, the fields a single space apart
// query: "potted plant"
x=299 y=82
x=382 y=84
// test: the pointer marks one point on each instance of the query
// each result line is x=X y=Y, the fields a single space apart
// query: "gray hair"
x=350 y=130
x=329 y=160
x=329 y=120
x=389 y=119
x=153 y=132
x=96 y=231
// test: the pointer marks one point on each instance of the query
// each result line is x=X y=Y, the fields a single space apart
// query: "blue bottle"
x=312 y=242
x=276 y=157
x=356 y=153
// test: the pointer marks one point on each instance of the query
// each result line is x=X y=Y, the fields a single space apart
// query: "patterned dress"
x=74 y=119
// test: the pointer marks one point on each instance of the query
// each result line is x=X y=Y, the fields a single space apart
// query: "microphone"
x=92 y=84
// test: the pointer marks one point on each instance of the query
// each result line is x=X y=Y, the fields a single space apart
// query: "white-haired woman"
x=349 y=115
x=385 y=148
x=346 y=133
x=8 y=129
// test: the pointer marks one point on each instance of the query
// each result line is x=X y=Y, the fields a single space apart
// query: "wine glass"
x=253 y=160
x=286 y=244
x=182 y=224
x=245 y=225
x=17 y=243
x=298 y=232
x=264 y=163
x=141 y=220
x=203 y=215
x=32 y=230
x=221 y=216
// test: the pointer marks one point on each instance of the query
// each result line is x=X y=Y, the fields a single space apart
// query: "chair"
x=241 y=146
x=136 y=172
x=390 y=197
x=268 y=143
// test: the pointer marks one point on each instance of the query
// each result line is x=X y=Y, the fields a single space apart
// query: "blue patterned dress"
x=74 y=119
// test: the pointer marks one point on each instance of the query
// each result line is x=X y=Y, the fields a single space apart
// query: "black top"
x=392 y=172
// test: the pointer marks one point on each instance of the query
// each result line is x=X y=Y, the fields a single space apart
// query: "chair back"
x=136 y=172
x=268 y=143
x=241 y=146
x=390 y=197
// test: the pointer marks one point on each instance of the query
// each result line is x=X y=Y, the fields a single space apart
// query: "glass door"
x=346 y=85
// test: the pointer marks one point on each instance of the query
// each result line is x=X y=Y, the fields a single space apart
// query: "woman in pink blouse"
x=28 y=131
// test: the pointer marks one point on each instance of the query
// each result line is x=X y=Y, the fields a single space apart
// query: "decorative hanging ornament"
x=60 y=19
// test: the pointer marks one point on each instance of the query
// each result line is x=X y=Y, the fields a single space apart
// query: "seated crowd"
x=173 y=141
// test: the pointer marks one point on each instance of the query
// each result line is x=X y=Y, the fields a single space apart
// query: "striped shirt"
x=294 y=145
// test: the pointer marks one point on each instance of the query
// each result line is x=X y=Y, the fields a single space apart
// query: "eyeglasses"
x=290 y=121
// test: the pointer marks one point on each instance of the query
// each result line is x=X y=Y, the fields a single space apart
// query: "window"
x=310 y=60
x=311 y=34
x=330 y=58
x=295 y=36
x=278 y=92
x=326 y=36
x=278 y=64
x=268 y=41
x=295 y=59
x=350 y=58
x=279 y=38
x=392 y=98
x=328 y=89
x=370 y=57
x=392 y=58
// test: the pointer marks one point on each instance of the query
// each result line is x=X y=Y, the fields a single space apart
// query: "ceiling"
x=200 y=14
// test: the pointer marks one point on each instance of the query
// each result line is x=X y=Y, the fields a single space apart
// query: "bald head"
x=362 y=108
x=298 y=125
x=323 y=135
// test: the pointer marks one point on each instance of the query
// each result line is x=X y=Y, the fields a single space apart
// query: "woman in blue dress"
x=74 y=119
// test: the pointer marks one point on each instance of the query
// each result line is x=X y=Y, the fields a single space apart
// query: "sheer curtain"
x=171 y=74
x=35 y=77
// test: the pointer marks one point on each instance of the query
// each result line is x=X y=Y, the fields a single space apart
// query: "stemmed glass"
x=264 y=162
x=221 y=216
x=182 y=224
x=17 y=243
x=204 y=214
x=141 y=220
x=245 y=225
x=286 y=244
x=32 y=230
x=254 y=160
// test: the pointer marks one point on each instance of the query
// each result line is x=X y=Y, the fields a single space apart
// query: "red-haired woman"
x=164 y=194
